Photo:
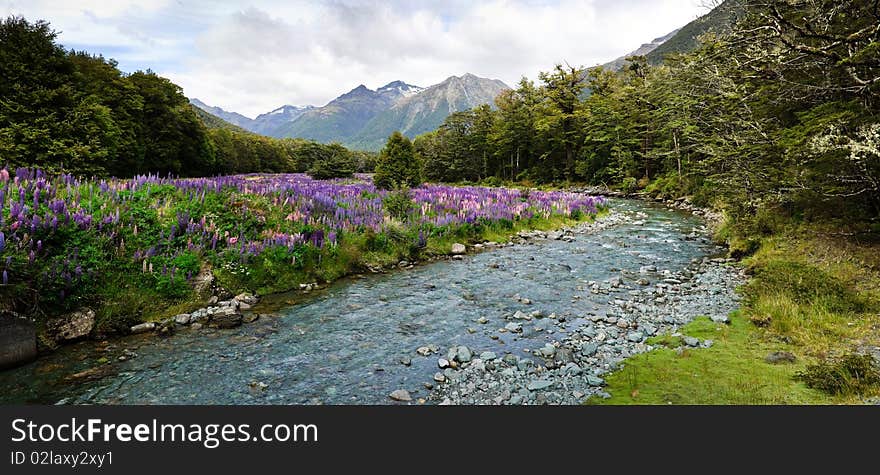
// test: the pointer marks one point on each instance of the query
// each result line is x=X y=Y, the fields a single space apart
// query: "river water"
x=344 y=344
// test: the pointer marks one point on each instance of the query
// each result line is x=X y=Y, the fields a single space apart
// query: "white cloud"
x=252 y=56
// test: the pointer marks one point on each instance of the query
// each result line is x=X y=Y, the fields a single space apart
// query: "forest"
x=776 y=117
x=74 y=112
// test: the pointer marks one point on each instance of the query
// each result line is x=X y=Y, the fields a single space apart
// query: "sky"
x=252 y=56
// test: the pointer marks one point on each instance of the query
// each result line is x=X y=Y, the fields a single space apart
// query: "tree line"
x=73 y=112
x=778 y=115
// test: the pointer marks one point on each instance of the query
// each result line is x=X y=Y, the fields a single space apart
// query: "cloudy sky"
x=251 y=56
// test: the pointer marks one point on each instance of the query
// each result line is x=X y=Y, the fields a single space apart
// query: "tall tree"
x=398 y=164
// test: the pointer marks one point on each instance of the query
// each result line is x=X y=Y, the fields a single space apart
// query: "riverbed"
x=355 y=342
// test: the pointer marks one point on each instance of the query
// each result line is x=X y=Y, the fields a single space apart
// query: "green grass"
x=811 y=294
x=732 y=371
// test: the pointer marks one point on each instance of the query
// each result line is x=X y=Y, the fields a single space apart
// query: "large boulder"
x=18 y=340
x=226 y=317
x=458 y=249
x=72 y=326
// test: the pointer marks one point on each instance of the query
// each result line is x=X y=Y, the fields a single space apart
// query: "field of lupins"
x=66 y=242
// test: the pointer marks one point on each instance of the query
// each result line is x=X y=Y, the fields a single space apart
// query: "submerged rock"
x=401 y=395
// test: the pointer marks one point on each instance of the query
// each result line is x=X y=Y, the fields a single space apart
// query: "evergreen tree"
x=398 y=165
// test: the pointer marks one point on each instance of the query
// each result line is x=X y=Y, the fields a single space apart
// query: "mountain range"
x=718 y=20
x=363 y=118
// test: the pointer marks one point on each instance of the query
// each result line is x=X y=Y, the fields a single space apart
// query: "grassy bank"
x=812 y=294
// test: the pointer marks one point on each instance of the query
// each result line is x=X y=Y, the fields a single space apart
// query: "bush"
x=852 y=374
x=398 y=204
x=805 y=284
x=629 y=185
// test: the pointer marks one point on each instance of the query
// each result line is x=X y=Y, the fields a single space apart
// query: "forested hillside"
x=78 y=113
x=776 y=117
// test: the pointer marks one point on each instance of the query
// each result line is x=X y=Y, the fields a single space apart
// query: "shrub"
x=805 y=284
x=852 y=374
x=398 y=204
x=629 y=185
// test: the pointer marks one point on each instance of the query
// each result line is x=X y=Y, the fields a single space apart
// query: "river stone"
x=18 y=340
x=564 y=355
x=226 y=318
x=573 y=369
x=539 y=384
x=463 y=355
x=595 y=380
x=458 y=249
x=401 y=395
x=513 y=327
x=521 y=316
x=427 y=350
x=72 y=326
x=721 y=319
x=691 y=341
x=487 y=356
x=523 y=364
x=182 y=319
x=635 y=337
x=250 y=318
x=143 y=328
x=443 y=363
x=439 y=377
x=548 y=351
x=246 y=298
x=589 y=349
x=510 y=359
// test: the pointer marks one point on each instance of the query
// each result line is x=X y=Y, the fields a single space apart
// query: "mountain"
x=270 y=122
x=426 y=110
x=643 y=50
x=264 y=124
x=719 y=20
x=233 y=118
x=363 y=118
x=342 y=118
x=211 y=121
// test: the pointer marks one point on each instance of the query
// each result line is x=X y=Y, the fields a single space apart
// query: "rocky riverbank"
x=643 y=304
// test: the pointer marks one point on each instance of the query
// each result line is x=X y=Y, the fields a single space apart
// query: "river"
x=355 y=341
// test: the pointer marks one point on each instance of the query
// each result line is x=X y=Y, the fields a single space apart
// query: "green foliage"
x=338 y=162
x=398 y=204
x=805 y=284
x=73 y=112
x=398 y=164
x=756 y=115
x=851 y=374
